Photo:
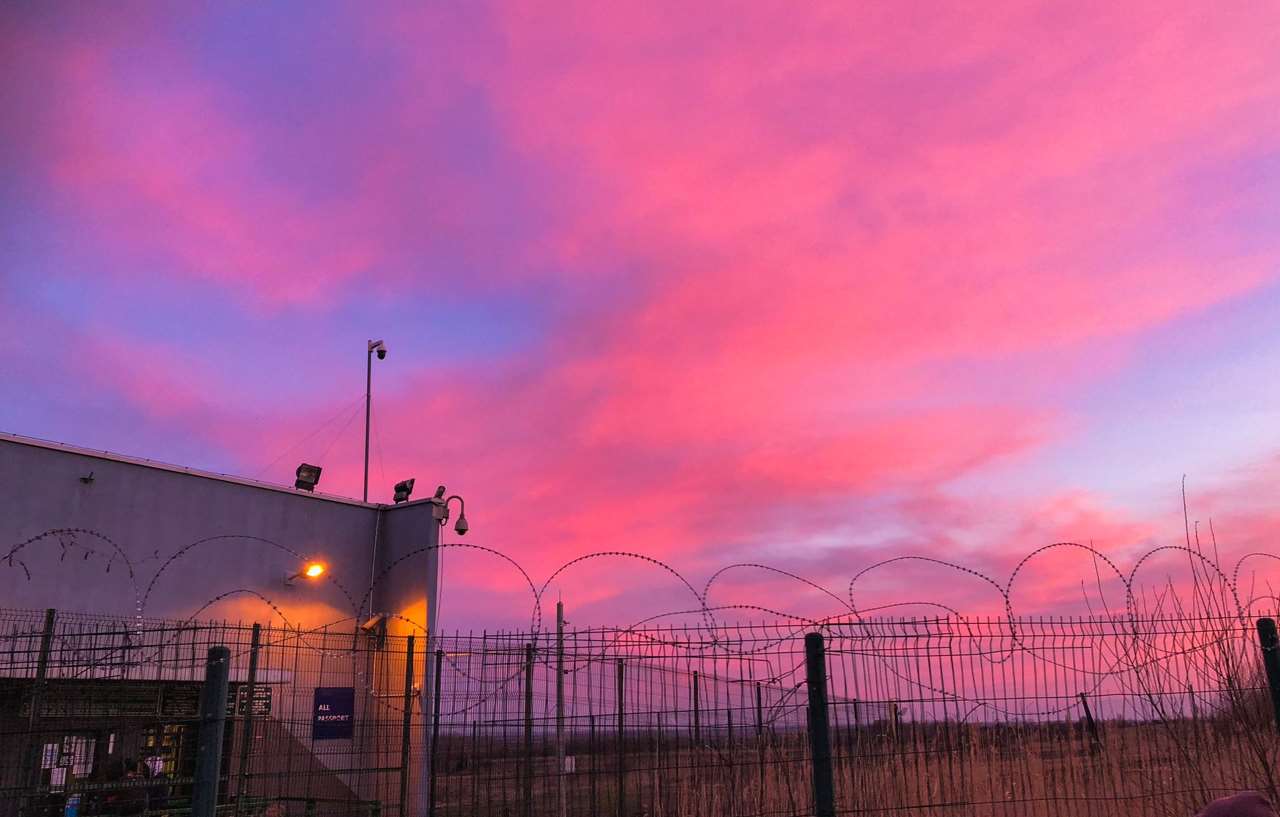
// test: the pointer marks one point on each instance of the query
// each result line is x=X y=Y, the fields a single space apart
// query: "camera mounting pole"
x=381 y=348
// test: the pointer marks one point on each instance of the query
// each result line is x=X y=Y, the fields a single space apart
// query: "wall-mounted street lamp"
x=440 y=510
x=312 y=570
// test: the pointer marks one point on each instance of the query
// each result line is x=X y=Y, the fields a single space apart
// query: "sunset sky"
x=806 y=284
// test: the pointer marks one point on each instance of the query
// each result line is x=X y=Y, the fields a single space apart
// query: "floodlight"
x=307 y=477
x=403 y=490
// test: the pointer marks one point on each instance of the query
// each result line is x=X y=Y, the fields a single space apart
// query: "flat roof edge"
x=143 y=462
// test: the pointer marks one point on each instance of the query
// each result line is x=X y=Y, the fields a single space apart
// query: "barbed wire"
x=710 y=643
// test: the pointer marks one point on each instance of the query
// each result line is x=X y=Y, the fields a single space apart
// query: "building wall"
x=165 y=542
x=174 y=544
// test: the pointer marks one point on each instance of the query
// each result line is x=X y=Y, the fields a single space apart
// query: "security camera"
x=382 y=353
x=376 y=628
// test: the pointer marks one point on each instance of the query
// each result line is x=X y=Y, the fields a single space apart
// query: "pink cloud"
x=790 y=248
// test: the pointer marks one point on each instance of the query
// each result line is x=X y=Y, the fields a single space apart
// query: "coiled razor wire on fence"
x=709 y=642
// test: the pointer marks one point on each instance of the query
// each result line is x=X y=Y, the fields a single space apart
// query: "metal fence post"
x=406 y=725
x=31 y=749
x=526 y=796
x=42 y=663
x=1270 y=644
x=1094 y=741
x=760 y=744
x=622 y=758
x=474 y=760
x=435 y=734
x=595 y=757
x=213 y=721
x=560 y=798
x=246 y=739
x=855 y=733
x=697 y=713
x=819 y=727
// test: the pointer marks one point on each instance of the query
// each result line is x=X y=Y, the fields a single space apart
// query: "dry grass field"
x=1157 y=769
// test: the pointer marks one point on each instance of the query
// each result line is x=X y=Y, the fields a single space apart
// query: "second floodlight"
x=402 y=491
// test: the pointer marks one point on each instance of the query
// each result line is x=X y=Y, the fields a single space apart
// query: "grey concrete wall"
x=176 y=542
x=405 y=565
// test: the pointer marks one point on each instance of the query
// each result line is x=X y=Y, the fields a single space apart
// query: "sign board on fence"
x=333 y=713
x=238 y=700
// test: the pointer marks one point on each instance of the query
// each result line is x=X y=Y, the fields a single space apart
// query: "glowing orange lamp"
x=313 y=570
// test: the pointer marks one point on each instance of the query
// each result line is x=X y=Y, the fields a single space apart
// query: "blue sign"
x=333 y=714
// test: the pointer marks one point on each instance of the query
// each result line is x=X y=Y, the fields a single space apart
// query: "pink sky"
x=808 y=285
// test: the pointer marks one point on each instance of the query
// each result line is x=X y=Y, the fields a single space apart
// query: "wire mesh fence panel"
x=1050 y=716
x=941 y=716
x=654 y=722
x=101 y=716
x=926 y=716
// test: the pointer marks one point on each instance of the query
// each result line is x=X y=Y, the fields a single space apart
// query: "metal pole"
x=246 y=739
x=759 y=712
x=435 y=734
x=1094 y=741
x=622 y=763
x=42 y=663
x=475 y=767
x=526 y=805
x=856 y=745
x=560 y=798
x=431 y=637
x=595 y=758
x=405 y=727
x=213 y=720
x=760 y=734
x=31 y=752
x=368 y=389
x=819 y=728
x=697 y=715
x=1270 y=643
